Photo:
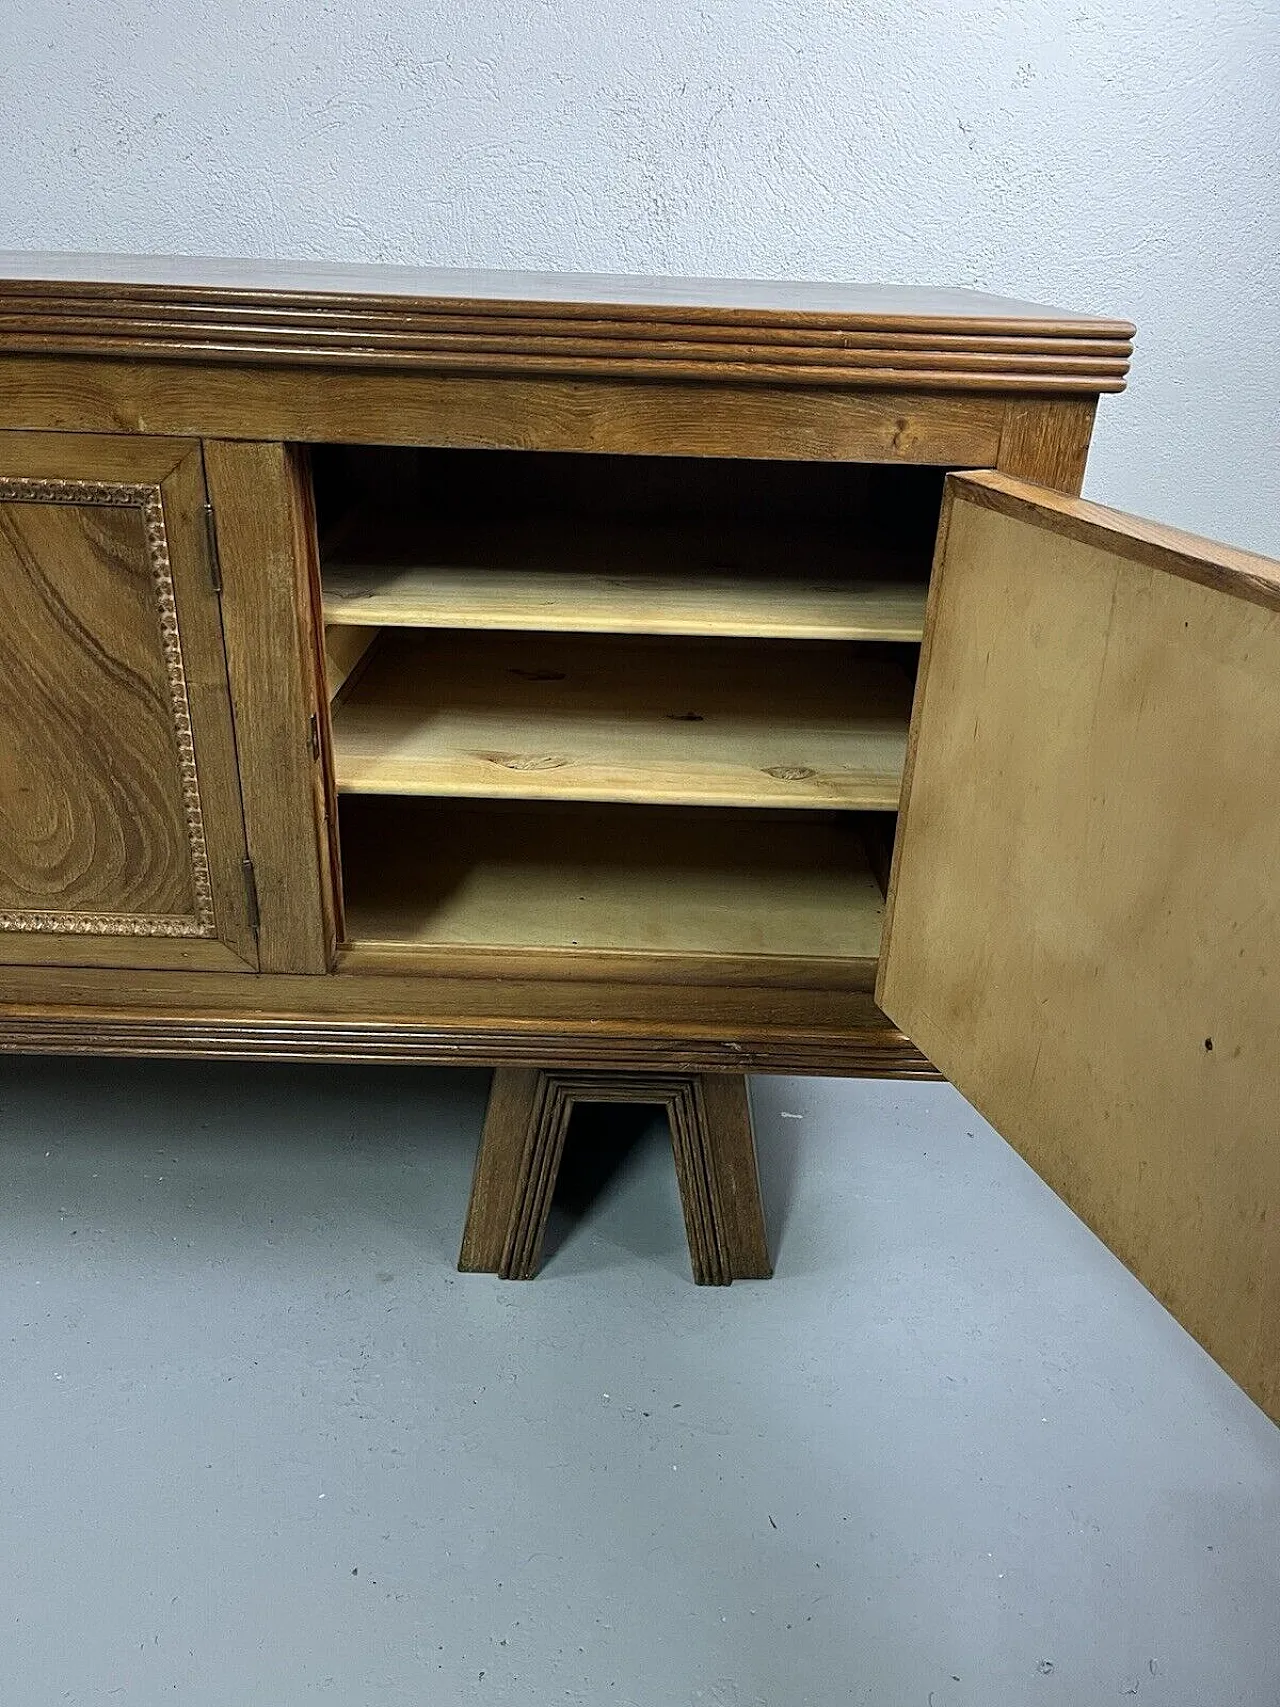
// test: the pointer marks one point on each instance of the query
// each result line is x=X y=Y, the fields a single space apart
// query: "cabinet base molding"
x=863 y=1052
x=523 y=1144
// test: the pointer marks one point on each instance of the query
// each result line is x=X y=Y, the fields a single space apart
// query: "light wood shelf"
x=592 y=717
x=765 y=581
x=496 y=875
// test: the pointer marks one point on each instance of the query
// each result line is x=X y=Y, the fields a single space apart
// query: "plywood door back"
x=1083 y=931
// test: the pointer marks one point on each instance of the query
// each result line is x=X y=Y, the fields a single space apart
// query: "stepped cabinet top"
x=802 y=332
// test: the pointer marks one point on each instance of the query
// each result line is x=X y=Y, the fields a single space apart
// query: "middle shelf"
x=538 y=716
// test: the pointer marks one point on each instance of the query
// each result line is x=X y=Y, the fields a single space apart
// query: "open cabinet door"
x=1084 y=908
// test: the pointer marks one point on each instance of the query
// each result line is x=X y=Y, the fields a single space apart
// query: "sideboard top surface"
x=810 y=332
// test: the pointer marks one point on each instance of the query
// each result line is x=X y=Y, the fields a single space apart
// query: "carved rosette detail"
x=149 y=501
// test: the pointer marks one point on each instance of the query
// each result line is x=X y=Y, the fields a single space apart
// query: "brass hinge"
x=251 y=894
x=211 y=535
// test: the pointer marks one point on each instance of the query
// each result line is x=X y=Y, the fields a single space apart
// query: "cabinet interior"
x=650 y=707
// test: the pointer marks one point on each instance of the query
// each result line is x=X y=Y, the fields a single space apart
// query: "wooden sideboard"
x=524 y=670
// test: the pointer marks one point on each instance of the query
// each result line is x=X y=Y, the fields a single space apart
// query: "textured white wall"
x=1118 y=157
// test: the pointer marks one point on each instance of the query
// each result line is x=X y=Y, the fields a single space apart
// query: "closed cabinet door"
x=1084 y=928
x=121 y=832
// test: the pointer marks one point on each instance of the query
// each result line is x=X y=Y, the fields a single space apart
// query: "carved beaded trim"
x=148 y=500
x=104 y=924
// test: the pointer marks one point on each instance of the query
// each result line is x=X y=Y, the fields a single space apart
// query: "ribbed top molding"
x=280 y=313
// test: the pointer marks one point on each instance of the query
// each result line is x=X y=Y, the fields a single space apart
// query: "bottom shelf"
x=575 y=878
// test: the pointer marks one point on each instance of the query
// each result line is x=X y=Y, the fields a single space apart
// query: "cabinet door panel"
x=1084 y=929
x=121 y=835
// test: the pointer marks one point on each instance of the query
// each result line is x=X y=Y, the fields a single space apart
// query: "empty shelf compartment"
x=608 y=543
x=590 y=577
x=651 y=880
x=596 y=717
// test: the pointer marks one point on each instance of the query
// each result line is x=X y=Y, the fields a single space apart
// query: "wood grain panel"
x=960 y=430
x=90 y=458
x=120 y=832
x=92 y=823
x=1047 y=440
x=1084 y=937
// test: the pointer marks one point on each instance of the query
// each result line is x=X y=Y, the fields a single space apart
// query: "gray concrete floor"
x=262 y=1446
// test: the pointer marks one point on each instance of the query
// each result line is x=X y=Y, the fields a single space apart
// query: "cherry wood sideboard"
x=631 y=684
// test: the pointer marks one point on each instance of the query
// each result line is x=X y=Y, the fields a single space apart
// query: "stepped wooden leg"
x=715 y=1151
x=519 y=1157
x=523 y=1142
